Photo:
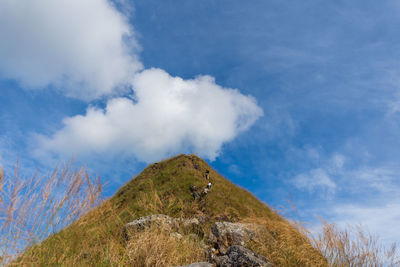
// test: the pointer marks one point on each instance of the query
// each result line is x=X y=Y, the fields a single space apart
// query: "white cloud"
x=169 y=115
x=85 y=47
x=313 y=180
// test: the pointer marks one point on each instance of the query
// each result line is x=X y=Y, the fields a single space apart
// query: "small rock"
x=238 y=256
x=223 y=261
x=203 y=219
x=176 y=235
x=144 y=222
x=161 y=220
x=210 y=254
x=196 y=191
x=189 y=222
x=199 y=264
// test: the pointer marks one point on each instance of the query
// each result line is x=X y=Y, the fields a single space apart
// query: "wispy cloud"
x=322 y=179
x=336 y=173
x=358 y=194
x=315 y=180
x=381 y=219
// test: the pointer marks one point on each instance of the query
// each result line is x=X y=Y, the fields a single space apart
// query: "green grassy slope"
x=171 y=179
x=98 y=238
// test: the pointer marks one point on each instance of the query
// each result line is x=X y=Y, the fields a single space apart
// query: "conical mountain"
x=165 y=188
x=176 y=187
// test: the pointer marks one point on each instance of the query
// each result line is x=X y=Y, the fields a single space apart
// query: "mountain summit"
x=176 y=212
x=175 y=183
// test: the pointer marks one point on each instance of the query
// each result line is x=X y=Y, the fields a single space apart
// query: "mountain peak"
x=174 y=182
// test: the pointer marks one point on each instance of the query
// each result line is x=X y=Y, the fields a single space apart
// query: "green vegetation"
x=164 y=188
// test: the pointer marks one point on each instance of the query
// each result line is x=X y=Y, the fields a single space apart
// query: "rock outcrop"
x=142 y=223
x=226 y=234
x=238 y=256
x=226 y=240
x=162 y=221
x=199 y=264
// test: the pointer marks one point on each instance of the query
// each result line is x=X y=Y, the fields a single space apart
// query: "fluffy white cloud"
x=86 y=48
x=168 y=115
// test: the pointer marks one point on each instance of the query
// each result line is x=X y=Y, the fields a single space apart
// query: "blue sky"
x=289 y=99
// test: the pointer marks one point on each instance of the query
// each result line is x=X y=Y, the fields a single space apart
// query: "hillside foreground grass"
x=99 y=238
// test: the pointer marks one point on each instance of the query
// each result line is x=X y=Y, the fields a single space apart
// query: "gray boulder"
x=238 y=256
x=225 y=234
x=147 y=221
x=199 y=264
x=162 y=221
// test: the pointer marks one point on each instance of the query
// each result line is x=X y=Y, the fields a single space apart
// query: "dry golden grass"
x=106 y=244
x=283 y=244
x=352 y=247
x=160 y=247
x=32 y=208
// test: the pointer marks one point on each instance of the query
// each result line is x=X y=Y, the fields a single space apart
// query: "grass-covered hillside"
x=99 y=238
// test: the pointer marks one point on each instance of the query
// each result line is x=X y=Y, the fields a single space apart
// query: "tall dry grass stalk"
x=283 y=245
x=352 y=246
x=32 y=208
